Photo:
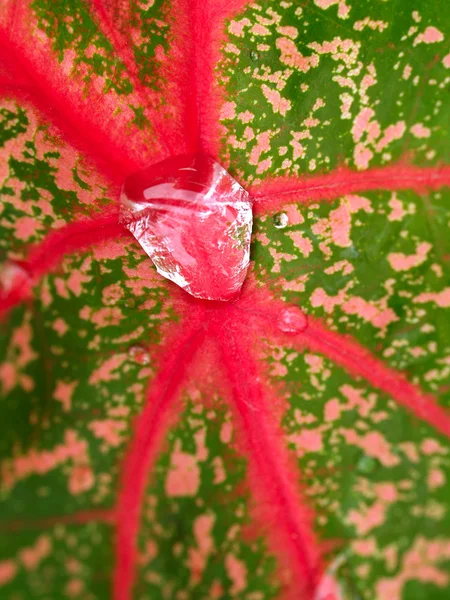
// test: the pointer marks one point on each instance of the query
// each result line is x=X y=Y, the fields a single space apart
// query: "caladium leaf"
x=292 y=443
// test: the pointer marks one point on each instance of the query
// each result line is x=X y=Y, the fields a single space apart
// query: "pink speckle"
x=237 y=27
x=111 y=294
x=419 y=563
x=397 y=213
x=205 y=544
x=420 y=131
x=391 y=133
x=290 y=32
x=60 y=326
x=404 y=262
x=291 y=56
x=237 y=573
x=446 y=61
x=386 y=492
x=357 y=203
x=373 y=444
x=246 y=116
x=308 y=440
x=356 y=400
x=109 y=431
x=436 y=478
x=362 y=156
x=294 y=214
x=33 y=555
x=379 y=318
x=226 y=432
x=369 y=518
x=228 y=110
x=262 y=145
x=25 y=227
x=8 y=571
x=108 y=369
x=304 y=244
x=441 y=299
x=63 y=393
x=319 y=298
x=363 y=124
x=259 y=29
x=107 y=316
x=183 y=478
x=279 y=104
x=332 y=410
x=75 y=282
x=343 y=9
x=431 y=35
x=365 y=547
x=81 y=479
x=264 y=165
x=430 y=447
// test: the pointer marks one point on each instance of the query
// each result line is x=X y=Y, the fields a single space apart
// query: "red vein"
x=150 y=429
x=68 y=112
x=272 y=195
x=103 y=515
x=346 y=352
x=356 y=359
x=198 y=31
x=48 y=254
x=122 y=46
x=288 y=515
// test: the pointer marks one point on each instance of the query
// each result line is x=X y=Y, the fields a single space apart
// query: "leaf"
x=291 y=444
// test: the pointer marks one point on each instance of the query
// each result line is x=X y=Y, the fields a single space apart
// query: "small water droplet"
x=280 y=220
x=292 y=320
x=366 y=464
x=254 y=55
x=139 y=354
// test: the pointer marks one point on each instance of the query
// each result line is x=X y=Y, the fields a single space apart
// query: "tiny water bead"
x=280 y=220
x=254 y=55
x=194 y=221
x=139 y=354
x=292 y=320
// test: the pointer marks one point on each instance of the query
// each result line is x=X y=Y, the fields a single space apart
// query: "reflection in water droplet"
x=254 y=55
x=280 y=220
x=292 y=320
x=139 y=354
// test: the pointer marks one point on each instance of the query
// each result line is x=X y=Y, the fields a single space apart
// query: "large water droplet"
x=280 y=220
x=194 y=221
x=292 y=320
x=254 y=55
x=139 y=354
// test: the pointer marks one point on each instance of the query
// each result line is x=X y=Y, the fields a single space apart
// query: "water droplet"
x=292 y=320
x=139 y=354
x=194 y=221
x=366 y=464
x=280 y=220
x=254 y=55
